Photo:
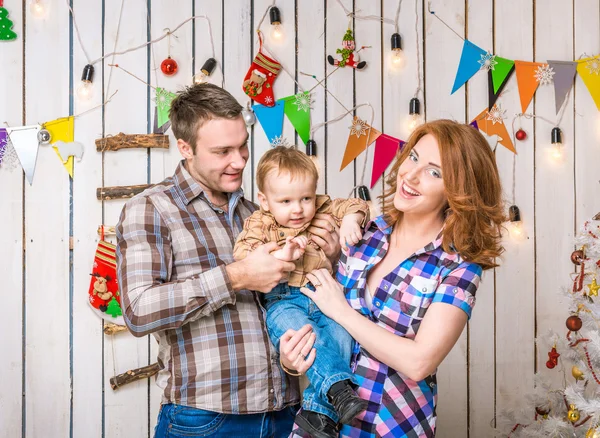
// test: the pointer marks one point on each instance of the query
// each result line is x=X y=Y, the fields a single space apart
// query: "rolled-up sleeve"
x=458 y=288
x=150 y=301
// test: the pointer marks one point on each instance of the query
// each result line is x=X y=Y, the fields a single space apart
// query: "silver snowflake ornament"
x=593 y=66
x=488 y=62
x=359 y=127
x=302 y=101
x=280 y=141
x=10 y=161
x=164 y=99
x=544 y=74
x=496 y=114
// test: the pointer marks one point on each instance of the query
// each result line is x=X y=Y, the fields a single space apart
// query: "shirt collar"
x=386 y=228
x=188 y=188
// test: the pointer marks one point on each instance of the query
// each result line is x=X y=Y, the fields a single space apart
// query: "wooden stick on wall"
x=124 y=141
x=133 y=375
x=119 y=192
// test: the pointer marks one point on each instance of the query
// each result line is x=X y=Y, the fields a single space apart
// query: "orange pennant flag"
x=492 y=123
x=361 y=136
x=527 y=81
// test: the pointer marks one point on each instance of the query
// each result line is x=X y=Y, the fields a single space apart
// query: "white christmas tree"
x=572 y=410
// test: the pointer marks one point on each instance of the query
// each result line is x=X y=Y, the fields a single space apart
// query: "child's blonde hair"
x=285 y=160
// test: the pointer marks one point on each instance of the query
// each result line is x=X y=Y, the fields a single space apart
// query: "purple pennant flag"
x=3 y=143
x=564 y=73
x=474 y=124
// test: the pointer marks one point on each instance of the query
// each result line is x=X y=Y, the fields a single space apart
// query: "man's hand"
x=259 y=271
x=325 y=234
x=293 y=249
x=350 y=231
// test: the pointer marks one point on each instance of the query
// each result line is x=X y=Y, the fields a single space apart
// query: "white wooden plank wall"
x=56 y=362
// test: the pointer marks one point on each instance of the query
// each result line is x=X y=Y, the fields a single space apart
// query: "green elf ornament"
x=6 y=33
x=349 y=57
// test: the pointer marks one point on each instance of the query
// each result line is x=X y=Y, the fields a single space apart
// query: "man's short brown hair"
x=285 y=160
x=195 y=105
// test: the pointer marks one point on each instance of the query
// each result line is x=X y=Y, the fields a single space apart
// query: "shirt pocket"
x=417 y=296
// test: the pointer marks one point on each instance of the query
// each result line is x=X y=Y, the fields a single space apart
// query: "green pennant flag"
x=501 y=71
x=297 y=110
x=163 y=105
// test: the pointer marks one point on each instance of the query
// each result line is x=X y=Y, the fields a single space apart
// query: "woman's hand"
x=328 y=296
x=296 y=349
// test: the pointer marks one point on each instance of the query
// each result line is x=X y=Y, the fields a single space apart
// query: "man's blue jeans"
x=176 y=421
x=288 y=308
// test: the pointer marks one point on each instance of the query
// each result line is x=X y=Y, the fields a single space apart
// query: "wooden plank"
x=443 y=50
x=127 y=112
x=237 y=34
x=554 y=182
x=47 y=361
x=87 y=213
x=11 y=238
x=119 y=192
x=481 y=384
x=587 y=131
x=125 y=141
x=311 y=46
x=340 y=87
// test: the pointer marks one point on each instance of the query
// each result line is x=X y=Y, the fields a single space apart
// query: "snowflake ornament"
x=488 y=62
x=593 y=66
x=359 y=127
x=544 y=74
x=496 y=114
x=302 y=101
x=3 y=147
x=268 y=100
x=164 y=99
x=11 y=159
x=280 y=141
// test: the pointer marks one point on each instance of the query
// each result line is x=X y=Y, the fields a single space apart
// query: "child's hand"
x=350 y=231
x=293 y=249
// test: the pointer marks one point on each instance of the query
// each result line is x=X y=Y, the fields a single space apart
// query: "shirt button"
x=385 y=287
x=424 y=289
x=455 y=291
x=281 y=233
x=271 y=391
x=378 y=304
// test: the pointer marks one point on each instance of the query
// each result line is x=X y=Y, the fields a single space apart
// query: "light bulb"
x=557 y=152
x=207 y=68
x=37 y=9
x=275 y=19
x=85 y=90
x=277 y=31
x=557 y=146
x=200 y=78
x=397 y=58
x=516 y=230
x=413 y=121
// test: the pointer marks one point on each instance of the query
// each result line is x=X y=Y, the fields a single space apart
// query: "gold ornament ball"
x=592 y=433
x=577 y=373
x=573 y=414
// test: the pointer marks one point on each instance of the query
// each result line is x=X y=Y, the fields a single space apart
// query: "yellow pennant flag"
x=589 y=70
x=62 y=129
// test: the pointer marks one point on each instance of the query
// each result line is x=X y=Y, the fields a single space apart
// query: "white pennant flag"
x=25 y=142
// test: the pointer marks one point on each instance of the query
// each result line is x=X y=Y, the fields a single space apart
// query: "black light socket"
x=415 y=106
x=209 y=66
x=396 y=41
x=514 y=213
x=311 y=148
x=88 y=73
x=275 y=15
x=556 y=135
x=363 y=193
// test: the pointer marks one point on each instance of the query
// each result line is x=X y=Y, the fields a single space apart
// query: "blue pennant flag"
x=270 y=118
x=469 y=64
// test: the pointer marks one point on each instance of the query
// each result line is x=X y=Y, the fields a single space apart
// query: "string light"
x=516 y=224
x=207 y=69
x=85 y=90
x=37 y=8
x=414 y=114
x=397 y=52
x=276 y=27
x=557 y=146
x=311 y=151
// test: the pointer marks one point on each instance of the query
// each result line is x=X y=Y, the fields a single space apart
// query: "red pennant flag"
x=386 y=148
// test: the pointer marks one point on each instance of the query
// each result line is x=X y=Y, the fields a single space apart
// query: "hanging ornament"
x=44 y=136
x=577 y=373
x=248 y=115
x=577 y=257
x=593 y=288
x=496 y=114
x=574 y=323
x=541 y=411
x=544 y=74
x=488 y=62
x=258 y=82
x=168 y=66
x=573 y=414
x=521 y=135
x=349 y=57
x=6 y=34
x=358 y=128
x=593 y=433
x=553 y=356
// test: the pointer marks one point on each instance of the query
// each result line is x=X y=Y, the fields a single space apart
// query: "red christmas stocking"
x=258 y=83
x=104 y=287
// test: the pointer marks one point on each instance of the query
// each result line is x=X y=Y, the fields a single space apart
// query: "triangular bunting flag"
x=564 y=73
x=492 y=123
x=361 y=136
x=526 y=81
x=474 y=124
x=297 y=110
x=163 y=105
x=159 y=129
x=386 y=148
x=589 y=70
x=468 y=65
x=62 y=129
x=271 y=119
x=25 y=141
x=3 y=143
x=493 y=92
x=501 y=72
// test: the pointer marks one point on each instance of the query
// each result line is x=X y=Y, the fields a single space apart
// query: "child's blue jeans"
x=288 y=308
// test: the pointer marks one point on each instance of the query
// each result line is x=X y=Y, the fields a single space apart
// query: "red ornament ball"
x=550 y=364
x=168 y=66
x=521 y=135
x=574 y=323
x=541 y=411
x=577 y=256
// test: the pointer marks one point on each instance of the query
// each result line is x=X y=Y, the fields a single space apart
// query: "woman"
x=407 y=289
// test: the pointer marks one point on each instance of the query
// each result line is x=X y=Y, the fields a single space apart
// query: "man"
x=179 y=281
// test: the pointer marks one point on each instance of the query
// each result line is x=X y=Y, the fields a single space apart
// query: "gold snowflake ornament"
x=359 y=127
x=593 y=66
